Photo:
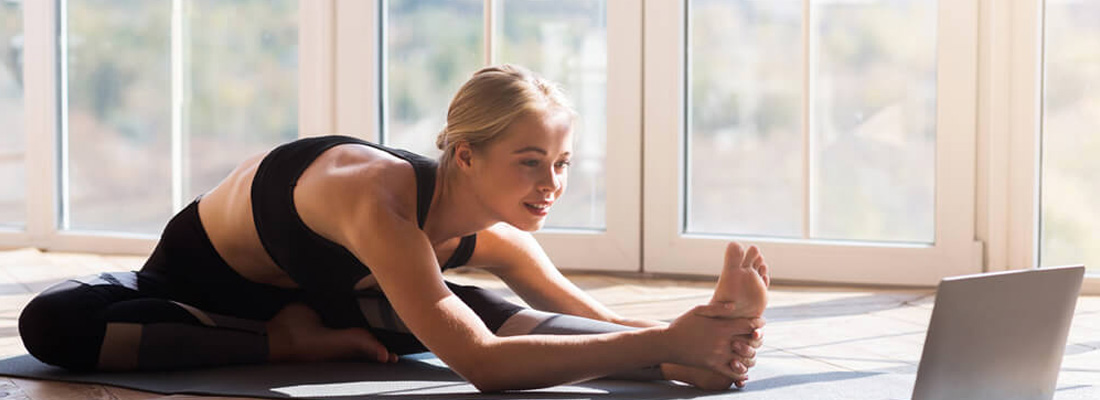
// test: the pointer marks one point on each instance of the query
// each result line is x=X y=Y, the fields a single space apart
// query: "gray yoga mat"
x=423 y=376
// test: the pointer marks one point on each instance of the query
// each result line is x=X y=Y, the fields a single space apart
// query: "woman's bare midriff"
x=226 y=211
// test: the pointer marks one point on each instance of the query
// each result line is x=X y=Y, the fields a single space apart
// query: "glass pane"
x=744 y=148
x=432 y=47
x=873 y=120
x=119 y=114
x=13 y=209
x=565 y=41
x=1071 y=135
x=243 y=82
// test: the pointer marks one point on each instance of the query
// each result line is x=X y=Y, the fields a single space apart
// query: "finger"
x=754 y=339
x=749 y=362
x=743 y=349
x=747 y=326
x=757 y=338
x=750 y=257
x=739 y=367
x=742 y=371
x=749 y=340
x=740 y=383
x=394 y=358
x=731 y=370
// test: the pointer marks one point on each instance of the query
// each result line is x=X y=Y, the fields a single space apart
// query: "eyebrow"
x=537 y=150
x=531 y=148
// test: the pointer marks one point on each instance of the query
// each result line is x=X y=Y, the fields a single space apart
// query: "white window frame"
x=43 y=23
x=1010 y=131
x=616 y=248
x=669 y=250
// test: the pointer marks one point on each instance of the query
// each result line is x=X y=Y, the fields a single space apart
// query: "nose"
x=551 y=181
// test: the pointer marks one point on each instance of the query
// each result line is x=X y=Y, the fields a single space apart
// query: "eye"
x=530 y=163
x=562 y=164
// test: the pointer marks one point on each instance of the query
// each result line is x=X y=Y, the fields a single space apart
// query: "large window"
x=432 y=48
x=163 y=98
x=12 y=139
x=745 y=161
x=865 y=171
x=1070 y=213
x=835 y=135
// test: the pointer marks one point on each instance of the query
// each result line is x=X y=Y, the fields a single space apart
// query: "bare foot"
x=700 y=378
x=297 y=334
x=744 y=281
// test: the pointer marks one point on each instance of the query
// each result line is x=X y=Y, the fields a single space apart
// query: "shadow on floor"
x=864 y=304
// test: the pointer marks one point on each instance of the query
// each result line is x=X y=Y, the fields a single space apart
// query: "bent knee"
x=59 y=327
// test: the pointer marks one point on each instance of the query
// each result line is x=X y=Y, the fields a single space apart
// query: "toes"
x=734 y=254
x=763 y=270
x=750 y=257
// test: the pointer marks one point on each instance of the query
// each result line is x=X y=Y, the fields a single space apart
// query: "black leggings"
x=188 y=308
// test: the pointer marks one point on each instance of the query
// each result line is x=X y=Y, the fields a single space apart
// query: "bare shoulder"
x=502 y=246
x=344 y=191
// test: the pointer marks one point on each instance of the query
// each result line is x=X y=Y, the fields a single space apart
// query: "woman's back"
x=332 y=187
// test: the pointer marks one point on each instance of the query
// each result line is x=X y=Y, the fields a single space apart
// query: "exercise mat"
x=423 y=376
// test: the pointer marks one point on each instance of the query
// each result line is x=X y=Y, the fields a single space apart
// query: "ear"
x=464 y=156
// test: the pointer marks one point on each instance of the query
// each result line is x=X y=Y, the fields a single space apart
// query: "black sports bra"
x=316 y=263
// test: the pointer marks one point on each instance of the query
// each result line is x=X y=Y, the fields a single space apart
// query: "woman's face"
x=521 y=175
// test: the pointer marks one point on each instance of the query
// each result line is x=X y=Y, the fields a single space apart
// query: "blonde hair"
x=487 y=103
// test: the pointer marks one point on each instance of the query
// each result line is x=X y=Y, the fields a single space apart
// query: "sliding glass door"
x=837 y=136
x=1070 y=215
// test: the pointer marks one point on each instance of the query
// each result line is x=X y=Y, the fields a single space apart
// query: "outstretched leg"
x=508 y=319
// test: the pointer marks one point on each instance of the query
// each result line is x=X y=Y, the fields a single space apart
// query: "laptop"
x=998 y=335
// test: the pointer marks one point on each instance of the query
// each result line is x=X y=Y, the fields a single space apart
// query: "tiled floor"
x=811 y=330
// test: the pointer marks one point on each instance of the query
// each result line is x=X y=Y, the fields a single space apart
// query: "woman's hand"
x=705 y=337
x=744 y=345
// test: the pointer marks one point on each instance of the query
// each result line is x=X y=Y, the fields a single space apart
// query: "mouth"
x=539 y=208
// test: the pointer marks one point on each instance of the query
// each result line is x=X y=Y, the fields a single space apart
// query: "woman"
x=332 y=247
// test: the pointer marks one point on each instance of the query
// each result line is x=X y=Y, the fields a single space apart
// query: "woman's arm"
x=402 y=259
x=516 y=258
